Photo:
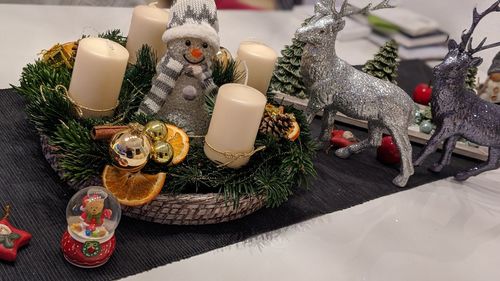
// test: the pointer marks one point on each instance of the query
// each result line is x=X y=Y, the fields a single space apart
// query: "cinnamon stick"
x=106 y=132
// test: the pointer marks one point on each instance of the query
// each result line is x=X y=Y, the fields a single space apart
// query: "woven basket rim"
x=178 y=203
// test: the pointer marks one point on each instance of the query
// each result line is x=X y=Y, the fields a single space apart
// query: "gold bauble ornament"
x=130 y=149
x=156 y=130
x=163 y=153
x=224 y=56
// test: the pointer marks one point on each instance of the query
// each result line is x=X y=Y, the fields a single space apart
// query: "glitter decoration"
x=457 y=111
x=334 y=85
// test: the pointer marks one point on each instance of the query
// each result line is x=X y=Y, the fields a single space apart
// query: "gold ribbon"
x=78 y=106
x=234 y=156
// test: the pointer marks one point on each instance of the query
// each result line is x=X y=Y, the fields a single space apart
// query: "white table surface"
x=441 y=231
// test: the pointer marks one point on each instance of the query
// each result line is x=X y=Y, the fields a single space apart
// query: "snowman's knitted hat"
x=495 y=66
x=194 y=18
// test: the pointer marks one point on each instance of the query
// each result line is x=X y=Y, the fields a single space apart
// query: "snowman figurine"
x=183 y=74
x=490 y=90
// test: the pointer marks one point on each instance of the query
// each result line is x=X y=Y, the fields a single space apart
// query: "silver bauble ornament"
x=163 y=153
x=426 y=127
x=156 y=130
x=130 y=149
x=418 y=117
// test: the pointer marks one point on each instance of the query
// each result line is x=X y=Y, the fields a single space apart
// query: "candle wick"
x=110 y=45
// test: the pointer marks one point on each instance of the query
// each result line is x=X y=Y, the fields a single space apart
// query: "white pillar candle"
x=235 y=123
x=147 y=27
x=260 y=61
x=97 y=76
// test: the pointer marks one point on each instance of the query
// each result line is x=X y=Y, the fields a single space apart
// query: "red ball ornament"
x=11 y=238
x=422 y=94
x=388 y=152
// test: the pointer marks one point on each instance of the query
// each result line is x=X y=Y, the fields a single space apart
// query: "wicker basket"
x=181 y=209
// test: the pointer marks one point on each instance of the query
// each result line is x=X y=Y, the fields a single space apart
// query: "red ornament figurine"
x=93 y=215
x=11 y=238
x=341 y=138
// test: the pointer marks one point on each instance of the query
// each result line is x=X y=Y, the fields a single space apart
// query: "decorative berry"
x=388 y=152
x=422 y=94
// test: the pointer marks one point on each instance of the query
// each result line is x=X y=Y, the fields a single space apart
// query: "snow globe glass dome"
x=93 y=213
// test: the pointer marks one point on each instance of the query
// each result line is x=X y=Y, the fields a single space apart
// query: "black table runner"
x=39 y=201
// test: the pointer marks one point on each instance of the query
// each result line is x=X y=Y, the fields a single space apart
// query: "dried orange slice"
x=132 y=189
x=179 y=141
x=294 y=132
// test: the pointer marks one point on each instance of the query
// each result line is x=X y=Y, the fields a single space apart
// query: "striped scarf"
x=169 y=70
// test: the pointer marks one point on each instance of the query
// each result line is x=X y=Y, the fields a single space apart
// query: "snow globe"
x=92 y=214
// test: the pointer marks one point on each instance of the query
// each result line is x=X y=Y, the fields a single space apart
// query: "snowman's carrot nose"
x=197 y=53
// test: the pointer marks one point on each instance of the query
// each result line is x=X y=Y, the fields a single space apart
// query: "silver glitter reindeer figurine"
x=334 y=85
x=457 y=111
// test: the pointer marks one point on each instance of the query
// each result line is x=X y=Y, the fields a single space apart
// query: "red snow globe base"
x=88 y=254
x=92 y=215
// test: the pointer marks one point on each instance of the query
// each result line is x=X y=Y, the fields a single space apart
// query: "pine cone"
x=275 y=123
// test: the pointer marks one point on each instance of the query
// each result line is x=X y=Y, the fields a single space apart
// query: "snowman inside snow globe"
x=92 y=215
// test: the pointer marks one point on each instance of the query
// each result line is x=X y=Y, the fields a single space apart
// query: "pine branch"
x=223 y=73
x=46 y=107
x=80 y=157
x=137 y=83
x=114 y=35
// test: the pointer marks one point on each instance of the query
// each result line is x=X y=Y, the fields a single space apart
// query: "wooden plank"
x=480 y=153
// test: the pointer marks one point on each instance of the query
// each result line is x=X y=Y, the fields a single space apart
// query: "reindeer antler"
x=467 y=35
x=346 y=9
x=323 y=7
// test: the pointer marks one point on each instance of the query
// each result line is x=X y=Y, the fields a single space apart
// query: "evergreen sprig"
x=80 y=154
x=137 y=83
x=114 y=35
x=273 y=173
x=45 y=106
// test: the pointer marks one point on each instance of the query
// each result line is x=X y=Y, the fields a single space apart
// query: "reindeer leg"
x=492 y=164
x=400 y=136
x=327 y=124
x=345 y=152
x=374 y=139
x=445 y=160
x=310 y=112
x=432 y=144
